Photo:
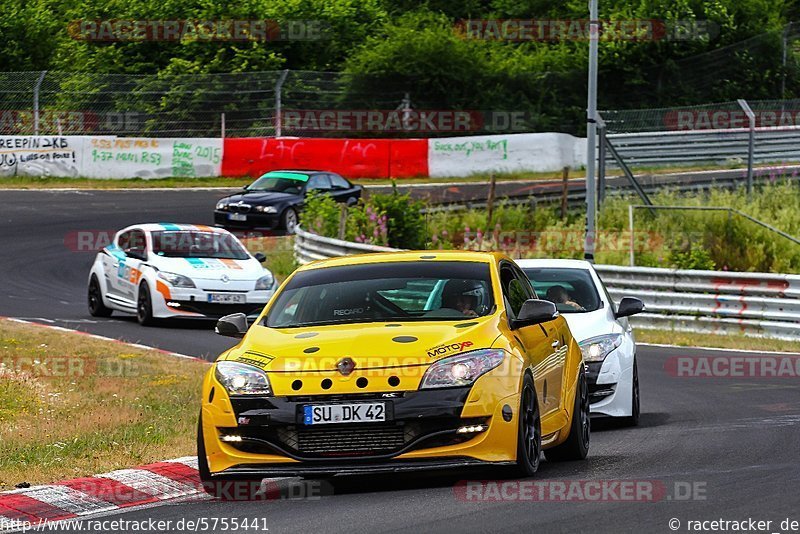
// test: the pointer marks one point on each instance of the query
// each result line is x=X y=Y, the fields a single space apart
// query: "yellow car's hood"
x=369 y=345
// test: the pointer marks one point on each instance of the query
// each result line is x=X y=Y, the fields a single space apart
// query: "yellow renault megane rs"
x=395 y=362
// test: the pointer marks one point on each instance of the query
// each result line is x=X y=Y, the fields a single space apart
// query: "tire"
x=95 y=298
x=529 y=431
x=229 y=489
x=633 y=420
x=144 y=306
x=577 y=445
x=352 y=201
x=289 y=220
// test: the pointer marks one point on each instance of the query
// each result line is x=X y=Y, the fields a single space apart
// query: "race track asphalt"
x=708 y=448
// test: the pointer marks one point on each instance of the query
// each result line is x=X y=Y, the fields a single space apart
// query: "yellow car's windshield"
x=398 y=291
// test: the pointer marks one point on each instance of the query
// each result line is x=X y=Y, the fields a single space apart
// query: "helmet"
x=458 y=290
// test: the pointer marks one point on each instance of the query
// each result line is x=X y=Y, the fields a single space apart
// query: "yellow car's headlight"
x=242 y=379
x=463 y=369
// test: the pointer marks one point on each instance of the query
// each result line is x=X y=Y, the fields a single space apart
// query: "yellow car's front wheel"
x=529 y=442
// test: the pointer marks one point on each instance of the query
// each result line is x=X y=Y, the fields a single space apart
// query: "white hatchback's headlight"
x=595 y=349
x=242 y=379
x=266 y=281
x=176 y=280
x=266 y=209
x=463 y=369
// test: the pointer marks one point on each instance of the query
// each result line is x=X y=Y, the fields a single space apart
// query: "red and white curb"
x=104 y=493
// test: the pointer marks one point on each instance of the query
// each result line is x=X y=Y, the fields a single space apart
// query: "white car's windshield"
x=571 y=290
x=197 y=244
x=400 y=291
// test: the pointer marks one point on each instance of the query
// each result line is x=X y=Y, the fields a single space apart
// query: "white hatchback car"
x=601 y=329
x=168 y=270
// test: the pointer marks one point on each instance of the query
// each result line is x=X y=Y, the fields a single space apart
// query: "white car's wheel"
x=633 y=420
x=144 y=306
x=95 y=300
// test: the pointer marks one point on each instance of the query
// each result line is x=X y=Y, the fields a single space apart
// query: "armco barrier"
x=721 y=302
x=353 y=158
x=309 y=247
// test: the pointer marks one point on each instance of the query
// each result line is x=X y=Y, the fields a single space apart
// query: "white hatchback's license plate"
x=237 y=217
x=344 y=413
x=226 y=298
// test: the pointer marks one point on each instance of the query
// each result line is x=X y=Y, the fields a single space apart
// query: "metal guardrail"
x=754 y=304
x=703 y=146
x=720 y=302
x=310 y=247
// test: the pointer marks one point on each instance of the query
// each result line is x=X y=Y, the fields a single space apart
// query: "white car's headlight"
x=463 y=369
x=242 y=379
x=266 y=209
x=266 y=281
x=595 y=349
x=176 y=280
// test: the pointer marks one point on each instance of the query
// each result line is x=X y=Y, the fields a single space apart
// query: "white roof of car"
x=573 y=264
x=175 y=227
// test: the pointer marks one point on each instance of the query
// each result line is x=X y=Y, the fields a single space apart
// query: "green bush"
x=321 y=215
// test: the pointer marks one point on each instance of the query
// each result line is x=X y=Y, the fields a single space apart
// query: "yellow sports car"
x=395 y=362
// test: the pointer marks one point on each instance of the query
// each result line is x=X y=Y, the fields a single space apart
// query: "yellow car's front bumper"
x=266 y=436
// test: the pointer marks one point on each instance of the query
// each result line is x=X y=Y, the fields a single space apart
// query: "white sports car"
x=601 y=328
x=167 y=270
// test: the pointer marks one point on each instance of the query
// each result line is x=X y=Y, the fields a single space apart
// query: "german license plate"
x=344 y=413
x=237 y=217
x=226 y=298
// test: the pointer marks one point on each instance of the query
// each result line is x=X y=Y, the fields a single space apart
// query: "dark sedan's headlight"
x=222 y=205
x=266 y=209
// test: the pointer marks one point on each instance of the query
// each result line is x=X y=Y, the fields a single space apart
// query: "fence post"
x=630 y=228
x=601 y=161
x=278 y=102
x=222 y=125
x=564 y=192
x=36 y=102
x=750 y=143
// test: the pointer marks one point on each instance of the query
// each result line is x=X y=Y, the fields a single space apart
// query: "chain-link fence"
x=293 y=103
x=337 y=104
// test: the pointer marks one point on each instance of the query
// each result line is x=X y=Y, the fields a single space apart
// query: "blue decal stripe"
x=170 y=226
x=197 y=263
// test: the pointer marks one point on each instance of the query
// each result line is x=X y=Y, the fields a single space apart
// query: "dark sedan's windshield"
x=571 y=290
x=398 y=291
x=279 y=182
x=197 y=244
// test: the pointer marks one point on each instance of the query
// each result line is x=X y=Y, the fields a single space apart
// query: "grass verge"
x=73 y=406
x=693 y=339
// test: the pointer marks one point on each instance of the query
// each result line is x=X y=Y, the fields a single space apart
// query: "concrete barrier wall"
x=109 y=156
x=118 y=157
x=537 y=152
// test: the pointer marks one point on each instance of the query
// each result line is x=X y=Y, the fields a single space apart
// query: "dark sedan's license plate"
x=363 y=412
